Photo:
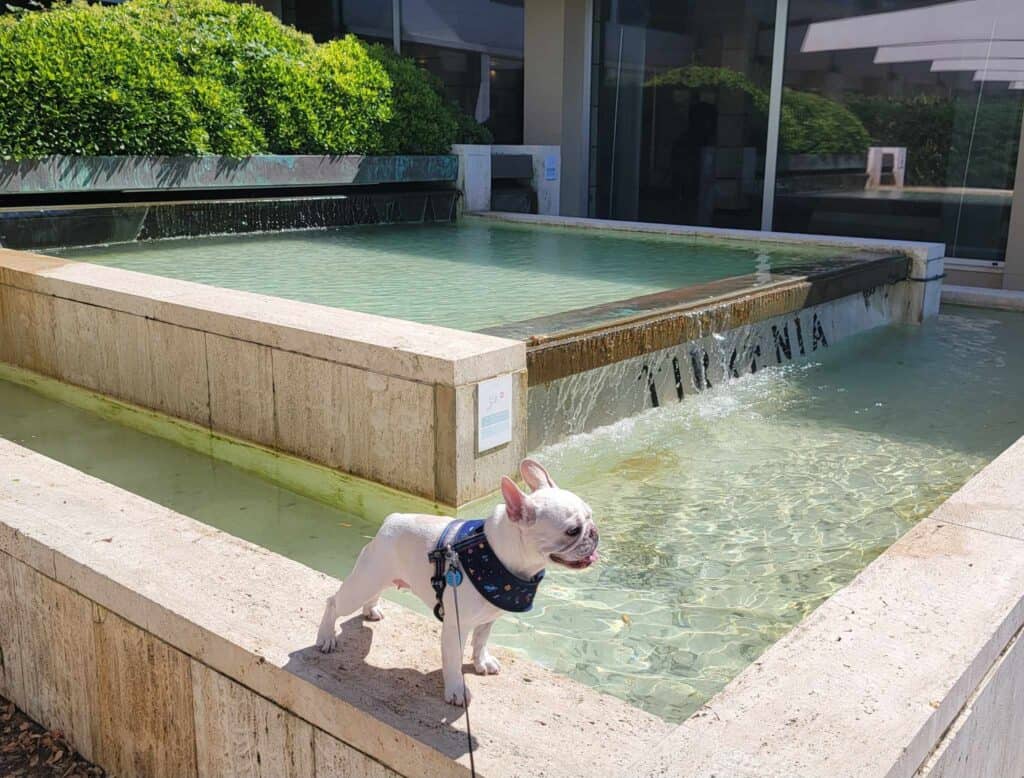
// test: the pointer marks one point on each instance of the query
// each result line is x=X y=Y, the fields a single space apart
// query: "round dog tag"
x=453 y=577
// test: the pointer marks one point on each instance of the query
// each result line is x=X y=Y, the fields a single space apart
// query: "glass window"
x=900 y=119
x=327 y=19
x=682 y=110
x=476 y=48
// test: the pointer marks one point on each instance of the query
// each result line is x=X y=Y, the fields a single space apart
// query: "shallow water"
x=469 y=276
x=724 y=519
x=727 y=518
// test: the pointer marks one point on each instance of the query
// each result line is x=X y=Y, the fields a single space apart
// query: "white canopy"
x=985 y=37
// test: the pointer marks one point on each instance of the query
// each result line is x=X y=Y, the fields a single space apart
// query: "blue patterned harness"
x=495 y=582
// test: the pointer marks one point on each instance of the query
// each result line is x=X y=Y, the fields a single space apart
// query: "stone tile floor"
x=28 y=750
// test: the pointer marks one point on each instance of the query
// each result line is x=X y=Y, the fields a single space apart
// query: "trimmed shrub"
x=206 y=77
x=420 y=109
x=78 y=81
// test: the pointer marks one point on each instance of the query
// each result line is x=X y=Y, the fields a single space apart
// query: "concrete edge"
x=389 y=346
x=65 y=173
x=250 y=614
x=870 y=682
x=985 y=739
x=979 y=297
x=926 y=252
x=560 y=355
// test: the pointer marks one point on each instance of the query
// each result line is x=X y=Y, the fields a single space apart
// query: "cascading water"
x=110 y=224
x=585 y=401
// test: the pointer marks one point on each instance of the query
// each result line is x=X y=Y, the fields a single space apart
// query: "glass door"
x=682 y=94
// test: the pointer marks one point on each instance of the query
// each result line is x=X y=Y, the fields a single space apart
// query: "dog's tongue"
x=594 y=556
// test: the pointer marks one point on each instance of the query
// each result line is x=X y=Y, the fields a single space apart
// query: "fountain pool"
x=471 y=275
x=725 y=518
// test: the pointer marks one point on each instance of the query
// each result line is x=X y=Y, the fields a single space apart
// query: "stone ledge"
x=62 y=174
x=921 y=252
x=980 y=297
x=404 y=349
x=251 y=615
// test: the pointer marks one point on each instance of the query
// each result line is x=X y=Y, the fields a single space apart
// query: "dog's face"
x=555 y=522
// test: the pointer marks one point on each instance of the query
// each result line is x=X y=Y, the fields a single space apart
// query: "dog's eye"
x=573 y=531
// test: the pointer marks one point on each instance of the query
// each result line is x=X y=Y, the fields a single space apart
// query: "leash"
x=454 y=577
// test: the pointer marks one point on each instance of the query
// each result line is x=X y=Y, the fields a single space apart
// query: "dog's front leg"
x=484 y=663
x=452 y=652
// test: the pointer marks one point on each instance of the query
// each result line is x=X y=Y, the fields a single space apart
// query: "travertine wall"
x=139 y=707
x=987 y=739
x=387 y=400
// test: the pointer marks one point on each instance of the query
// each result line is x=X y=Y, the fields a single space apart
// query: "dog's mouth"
x=575 y=564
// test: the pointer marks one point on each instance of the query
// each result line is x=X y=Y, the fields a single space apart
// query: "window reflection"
x=901 y=119
x=476 y=48
x=682 y=110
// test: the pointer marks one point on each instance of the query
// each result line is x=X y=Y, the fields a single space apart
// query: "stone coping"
x=590 y=338
x=869 y=682
x=980 y=297
x=394 y=347
x=645 y=307
x=63 y=174
x=252 y=616
x=922 y=253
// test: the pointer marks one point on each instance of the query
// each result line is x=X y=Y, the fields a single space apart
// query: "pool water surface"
x=724 y=519
x=469 y=276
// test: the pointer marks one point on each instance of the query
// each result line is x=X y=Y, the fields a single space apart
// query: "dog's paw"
x=373 y=614
x=457 y=697
x=326 y=643
x=486 y=665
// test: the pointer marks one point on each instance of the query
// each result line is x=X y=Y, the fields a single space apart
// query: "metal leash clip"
x=453 y=576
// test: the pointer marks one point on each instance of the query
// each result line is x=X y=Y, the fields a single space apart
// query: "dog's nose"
x=593 y=532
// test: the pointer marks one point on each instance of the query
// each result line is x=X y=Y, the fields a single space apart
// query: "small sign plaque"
x=493 y=413
x=551 y=168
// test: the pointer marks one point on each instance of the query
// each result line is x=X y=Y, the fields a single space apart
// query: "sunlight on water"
x=727 y=518
x=724 y=519
x=473 y=275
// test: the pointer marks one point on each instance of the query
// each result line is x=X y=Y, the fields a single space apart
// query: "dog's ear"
x=535 y=475
x=517 y=504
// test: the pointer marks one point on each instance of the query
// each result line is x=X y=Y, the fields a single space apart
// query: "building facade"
x=874 y=118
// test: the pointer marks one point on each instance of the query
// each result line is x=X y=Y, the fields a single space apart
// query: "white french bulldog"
x=524 y=533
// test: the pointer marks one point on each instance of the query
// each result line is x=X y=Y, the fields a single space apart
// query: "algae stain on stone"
x=346 y=492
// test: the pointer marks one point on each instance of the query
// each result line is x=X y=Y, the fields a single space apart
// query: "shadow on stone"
x=404 y=698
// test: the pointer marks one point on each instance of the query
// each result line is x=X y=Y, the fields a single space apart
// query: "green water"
x=469 y=276
x=724 y=519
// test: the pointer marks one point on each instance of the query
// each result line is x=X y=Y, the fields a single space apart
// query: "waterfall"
x=594 y=398
x=105 y=224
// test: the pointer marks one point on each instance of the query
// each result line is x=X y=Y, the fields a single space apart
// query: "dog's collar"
x=496 y=583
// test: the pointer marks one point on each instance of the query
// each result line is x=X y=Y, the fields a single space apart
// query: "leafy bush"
x=813 y=124
x=810 y=124
x=206 y=76
x=420 y=109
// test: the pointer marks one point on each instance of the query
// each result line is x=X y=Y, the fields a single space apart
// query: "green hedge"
x=207 y=77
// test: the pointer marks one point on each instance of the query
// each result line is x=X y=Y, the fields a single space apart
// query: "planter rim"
x=61 y=174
